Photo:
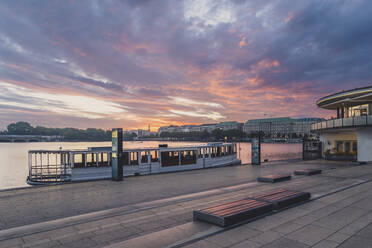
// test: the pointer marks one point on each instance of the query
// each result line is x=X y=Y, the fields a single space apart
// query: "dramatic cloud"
x=133 y=63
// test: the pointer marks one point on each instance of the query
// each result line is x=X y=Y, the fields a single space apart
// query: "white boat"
x=58 y=166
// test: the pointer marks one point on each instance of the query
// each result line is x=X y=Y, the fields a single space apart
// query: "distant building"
x=208 y=127
x=141 y=133
x=169 y=129
x=229 y=125
x=303 y=125
x=282 y=126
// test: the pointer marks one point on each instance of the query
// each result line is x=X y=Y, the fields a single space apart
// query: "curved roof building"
x=349 y=98
x=349 y=135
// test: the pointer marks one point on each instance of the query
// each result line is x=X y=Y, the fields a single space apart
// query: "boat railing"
x=49 y=167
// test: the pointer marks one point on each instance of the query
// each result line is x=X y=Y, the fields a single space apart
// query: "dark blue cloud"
x=135 y=52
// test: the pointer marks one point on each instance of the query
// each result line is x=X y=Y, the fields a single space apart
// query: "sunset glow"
x=133 y=63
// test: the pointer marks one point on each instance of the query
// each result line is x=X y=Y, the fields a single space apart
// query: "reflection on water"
x=14 y=163
x=272 y=152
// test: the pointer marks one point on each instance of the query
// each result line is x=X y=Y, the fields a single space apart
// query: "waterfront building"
x=141 y=133
x=169 y=129
x=281 y=126
x=208 y=127
x=201 y=128
x=302 y=126
x=349 y=136
x=229 y=125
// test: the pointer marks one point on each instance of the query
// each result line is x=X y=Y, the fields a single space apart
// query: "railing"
x=357 y=121
x=49 y=167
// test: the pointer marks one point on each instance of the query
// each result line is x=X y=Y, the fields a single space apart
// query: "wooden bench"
x=283 y=198
x=274 y=178
x=307 y=172
x=233 y=212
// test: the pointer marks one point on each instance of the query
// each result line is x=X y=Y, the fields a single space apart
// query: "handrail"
x=49 y=167
x=355 y=121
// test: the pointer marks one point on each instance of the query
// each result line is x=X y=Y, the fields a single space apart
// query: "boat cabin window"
x=170 y=158
x=154 y=156
x=188 y=157
x=144 y=157
x=229 y=149
x=125 y=158
x=90 y=159
x=218 y=151
x=200 y=152
x=134 y=158
x=213 y=152
x=79 y=160
x=206 y=153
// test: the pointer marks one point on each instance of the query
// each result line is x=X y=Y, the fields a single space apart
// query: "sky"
x=104 y=64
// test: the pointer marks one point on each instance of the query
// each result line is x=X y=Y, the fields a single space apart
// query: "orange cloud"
x=289 y=17
x=242 y=42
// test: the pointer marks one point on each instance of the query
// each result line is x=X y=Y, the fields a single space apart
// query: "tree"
x=71 y=134
x=20 y=128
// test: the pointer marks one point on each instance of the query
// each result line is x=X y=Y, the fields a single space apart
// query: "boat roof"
x=108 y=149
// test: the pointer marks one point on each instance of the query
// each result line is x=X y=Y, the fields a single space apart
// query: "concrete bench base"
x=274 y=178
x=307 y=172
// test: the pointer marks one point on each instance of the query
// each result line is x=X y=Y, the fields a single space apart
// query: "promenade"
x=156 y=210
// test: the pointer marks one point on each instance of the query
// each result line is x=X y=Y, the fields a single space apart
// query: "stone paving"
x=340 y=220
x=156 y=210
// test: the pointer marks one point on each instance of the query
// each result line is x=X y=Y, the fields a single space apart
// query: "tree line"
x=94 y=134
x=67 y=134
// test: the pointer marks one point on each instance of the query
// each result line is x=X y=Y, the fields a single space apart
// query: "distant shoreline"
x=159 y=139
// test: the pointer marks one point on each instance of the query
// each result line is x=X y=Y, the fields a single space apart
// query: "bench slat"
x=283 y=198
x=228 y=216
x=231 y=213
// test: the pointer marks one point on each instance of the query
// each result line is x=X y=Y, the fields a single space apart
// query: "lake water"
x=14 y=164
